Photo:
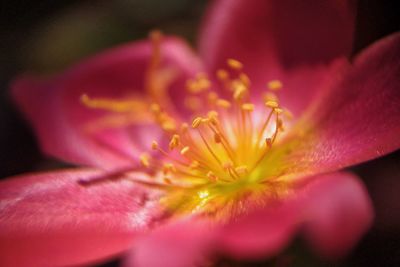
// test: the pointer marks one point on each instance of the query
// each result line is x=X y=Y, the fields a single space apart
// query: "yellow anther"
x=274 y=85
x=175 y=141
x=145 y=159
x=125 y=105
x=185 y=150
x=196 y=122
x=154 y=145
x=234 y=64
x=199 y=84
x=248 y=107
x=278 y=110
x=168 y=125
x=272 y=104
x=204 y=83
x=239 y=90
x=269 y=96
x=222 y=75
x=242 y=170
x=168 y=168
x=245 y=79
x=223 y=103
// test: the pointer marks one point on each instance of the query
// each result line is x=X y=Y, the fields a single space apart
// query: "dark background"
x=46 y=36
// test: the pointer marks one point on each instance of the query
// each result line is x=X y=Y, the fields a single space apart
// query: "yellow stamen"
x=248 y=107
x=223 y=75
x=274 y=85
x=272 y=104
x=222 y=103
x=145 y=159
x=154 y=145
x=185 y=150
x=175 y=142
x=234 y=64
x=196 y=122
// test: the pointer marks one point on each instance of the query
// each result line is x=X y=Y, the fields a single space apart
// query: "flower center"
x=221 y=160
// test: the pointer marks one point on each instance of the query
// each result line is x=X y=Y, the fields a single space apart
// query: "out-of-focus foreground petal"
x=338 y=213
x=71 y=131
x=279 y=39
x=180 y=243
x=334 y=209
x=359 y=118
x=49 y=219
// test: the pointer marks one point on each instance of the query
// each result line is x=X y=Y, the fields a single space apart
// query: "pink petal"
x=182 y=243
x=272 y=38
x=61 y=121
x=339 y=213
x=261 y=234
x=334 y=209
x=49 y=219
x=359 y=118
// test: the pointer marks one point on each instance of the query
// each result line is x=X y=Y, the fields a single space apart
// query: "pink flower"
x=242 y=177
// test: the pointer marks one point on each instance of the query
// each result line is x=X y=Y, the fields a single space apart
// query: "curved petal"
x=339 y=212
x=272 y=38
x=49 y=219
x=76 y=133
x=261 y=234
x=358 y=119
x=334 y=209
x=178 y=244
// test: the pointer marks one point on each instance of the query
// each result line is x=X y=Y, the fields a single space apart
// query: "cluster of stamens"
x=225 y=144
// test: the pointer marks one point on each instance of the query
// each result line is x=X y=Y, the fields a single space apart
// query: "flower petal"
x=180 y=243
x=272 y=38
x=359 y=118
x=339 y=212
x=73 y=132
x=260 y=234
x=49 y=219
x=334 y=209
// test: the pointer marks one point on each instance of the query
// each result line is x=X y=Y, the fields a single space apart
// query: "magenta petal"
x=334 y=209
x=49 y=219
x=339 y=212
x=274 y=37
x=63 y=124
x=261 y=234
x=180 y=243
x=359 y=118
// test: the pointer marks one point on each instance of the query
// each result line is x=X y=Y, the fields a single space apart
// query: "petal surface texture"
x=288 y=40
x=181 y=243
x=71 y=131
x=333 y=209
x=358 y=119
x=49 y=219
